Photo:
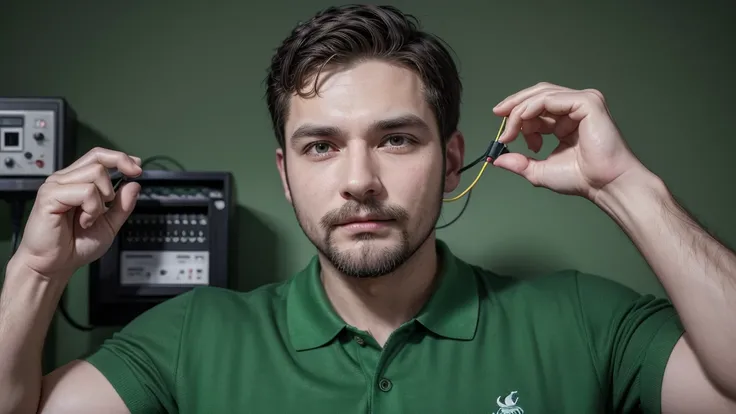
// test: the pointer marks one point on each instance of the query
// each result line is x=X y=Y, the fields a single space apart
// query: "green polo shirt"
x=484 y=343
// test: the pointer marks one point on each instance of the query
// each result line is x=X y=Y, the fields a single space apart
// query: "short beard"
x=372 y=262
x=367 y=261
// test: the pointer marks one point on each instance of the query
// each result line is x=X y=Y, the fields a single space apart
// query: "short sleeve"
x=140 y=361
x=631 y=338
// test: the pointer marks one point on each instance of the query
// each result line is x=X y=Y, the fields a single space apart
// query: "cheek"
x=416 y=184
x=310 y=190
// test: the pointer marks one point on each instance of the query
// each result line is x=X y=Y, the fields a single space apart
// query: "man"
x=385 y=319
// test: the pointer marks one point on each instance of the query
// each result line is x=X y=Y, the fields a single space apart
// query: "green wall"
x=140 y=74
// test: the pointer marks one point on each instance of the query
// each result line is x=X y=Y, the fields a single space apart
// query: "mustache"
x=353 y=208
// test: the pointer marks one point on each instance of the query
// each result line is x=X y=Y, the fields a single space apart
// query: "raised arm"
x=69 y=226
x=28 y=303
x=592 y=160
x=699 y=275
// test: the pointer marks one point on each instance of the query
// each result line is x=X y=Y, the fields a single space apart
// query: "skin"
x=69 y=227
x=698 y=272
x=369 y=145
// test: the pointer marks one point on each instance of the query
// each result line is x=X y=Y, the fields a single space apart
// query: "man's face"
x=363 y=167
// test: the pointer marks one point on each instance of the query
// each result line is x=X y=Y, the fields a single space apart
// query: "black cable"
x=155 y=164
x=156 y=159
x=495 y=150
x=465 y=206
x=467 y=196
x=472 y=164
x=74 y=324
x=479 y=159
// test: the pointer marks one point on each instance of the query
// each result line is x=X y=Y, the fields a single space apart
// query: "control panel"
x=37 y=137
x=27 y=143
x=165 y=249
x=178 y=237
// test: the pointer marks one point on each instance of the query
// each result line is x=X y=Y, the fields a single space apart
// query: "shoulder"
x=207 y=302
x=565 y=284
x=592 y=300
x=584 y=302
x=227 y=297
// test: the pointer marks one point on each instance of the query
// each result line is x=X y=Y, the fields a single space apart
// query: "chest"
x=415 y=377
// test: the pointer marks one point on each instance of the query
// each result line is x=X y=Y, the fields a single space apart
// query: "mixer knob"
x=38 y=136
x=9 y=162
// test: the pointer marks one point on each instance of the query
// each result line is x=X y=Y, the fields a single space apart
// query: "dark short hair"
x=347 y=34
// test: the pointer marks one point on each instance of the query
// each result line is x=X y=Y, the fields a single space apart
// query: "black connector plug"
x=496 y=150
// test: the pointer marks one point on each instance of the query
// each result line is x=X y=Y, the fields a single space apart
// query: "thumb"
x=123 y=205
x=518 y=164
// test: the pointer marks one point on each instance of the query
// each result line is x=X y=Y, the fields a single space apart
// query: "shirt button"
x=359 y=340
x=384 y=384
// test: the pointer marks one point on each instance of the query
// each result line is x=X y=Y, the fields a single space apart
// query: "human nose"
x=361 y=179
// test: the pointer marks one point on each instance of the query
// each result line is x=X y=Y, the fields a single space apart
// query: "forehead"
x=357 y=96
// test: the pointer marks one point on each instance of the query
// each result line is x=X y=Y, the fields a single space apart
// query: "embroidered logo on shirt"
x=509 y=404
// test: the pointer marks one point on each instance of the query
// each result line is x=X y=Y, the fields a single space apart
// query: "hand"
x=591 y=153
x=69 y=225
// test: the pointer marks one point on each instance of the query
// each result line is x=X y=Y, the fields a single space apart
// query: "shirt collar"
x=451 y=312
x=311 y=319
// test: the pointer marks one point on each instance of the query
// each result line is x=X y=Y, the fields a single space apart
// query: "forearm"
x=27 y=305
x=696 y=270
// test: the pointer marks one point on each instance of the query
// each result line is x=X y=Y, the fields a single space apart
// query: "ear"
x=454 y=156
x=281 y=165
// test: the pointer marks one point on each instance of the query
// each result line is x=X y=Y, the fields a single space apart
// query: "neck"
x=381 y=305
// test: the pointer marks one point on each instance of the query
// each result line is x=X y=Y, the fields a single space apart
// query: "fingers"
x=90 y=173
x=532 y=129
x=504 y=107
x=521 y=165
x=540 y=124
x=533 y=140
x=533 y=110
x=123 y=205
x=121 y=161
x=86 y=185
x=59 y=199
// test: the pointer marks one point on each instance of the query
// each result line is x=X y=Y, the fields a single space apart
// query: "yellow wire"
x=483 y=168
x=461 y=195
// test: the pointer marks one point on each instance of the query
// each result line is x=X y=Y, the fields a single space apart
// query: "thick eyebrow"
x=398 y=122
x=312 y=130
x=401 y=122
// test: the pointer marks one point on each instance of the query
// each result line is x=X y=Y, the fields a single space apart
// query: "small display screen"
x=11 y=121
x=11 y=139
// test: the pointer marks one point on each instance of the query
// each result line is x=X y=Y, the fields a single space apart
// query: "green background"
x=185 y=79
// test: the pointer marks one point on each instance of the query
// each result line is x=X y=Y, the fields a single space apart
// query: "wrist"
x=28 y=302
x=636 y=196
x=25 y=262
x=19 y=273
